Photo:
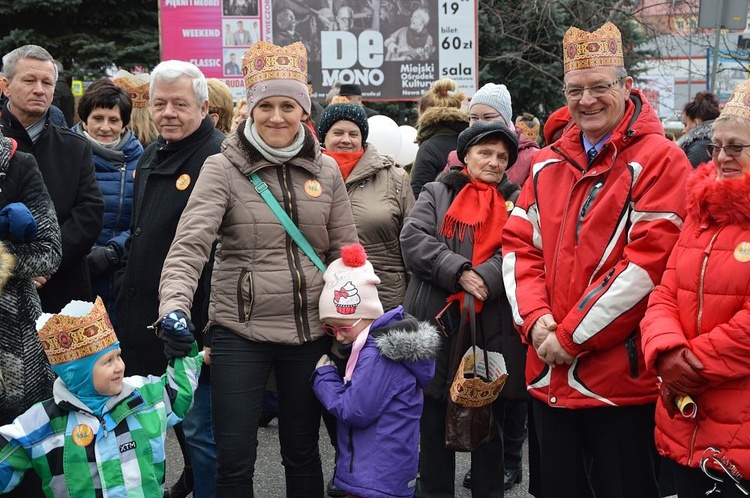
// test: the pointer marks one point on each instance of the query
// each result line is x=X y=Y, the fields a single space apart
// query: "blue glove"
x=17 y=223
x=176 y=330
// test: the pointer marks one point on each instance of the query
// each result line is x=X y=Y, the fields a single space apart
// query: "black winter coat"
x=165 y=177
x=435 y=263
x=65 y=160
x=439 y=128
x=25 y=373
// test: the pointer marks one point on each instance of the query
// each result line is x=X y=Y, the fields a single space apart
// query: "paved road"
x=269 y=474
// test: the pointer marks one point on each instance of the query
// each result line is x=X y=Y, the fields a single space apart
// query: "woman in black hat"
x=451 y=242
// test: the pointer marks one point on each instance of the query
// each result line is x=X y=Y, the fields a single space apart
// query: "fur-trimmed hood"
x=441 y=121
x=702 y=131
x=410 y=342
x=7 y=264
x=713 y=201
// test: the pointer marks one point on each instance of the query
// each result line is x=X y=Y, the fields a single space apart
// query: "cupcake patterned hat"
x=273 y=71
x=739 y=103
x=135 y=84
x=584 y=50
x=80 y=330
x=350 y=287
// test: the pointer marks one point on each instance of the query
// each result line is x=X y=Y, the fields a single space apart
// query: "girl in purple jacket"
x=378 y=403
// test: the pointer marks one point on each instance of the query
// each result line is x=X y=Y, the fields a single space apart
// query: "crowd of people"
x=204 y=246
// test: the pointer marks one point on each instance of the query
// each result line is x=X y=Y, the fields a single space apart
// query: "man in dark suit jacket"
x=231 y=68
x=65 y=160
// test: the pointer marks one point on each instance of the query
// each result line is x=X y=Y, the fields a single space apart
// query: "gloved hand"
x=176 y=330
x=17 y=223
x=679 y=370
x=323 y=361
x=668 y=399
x=101 y=259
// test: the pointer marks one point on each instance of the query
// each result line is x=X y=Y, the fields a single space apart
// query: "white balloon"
x=409 y=147
x=384 y=135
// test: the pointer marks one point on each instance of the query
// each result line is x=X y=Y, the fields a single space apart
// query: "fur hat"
x=483 y=129
x=7 y=263
x=350 y=89
x=343 y=112
x=497 y=97
x=350 y=287
x=583 y=50
x=273 y=71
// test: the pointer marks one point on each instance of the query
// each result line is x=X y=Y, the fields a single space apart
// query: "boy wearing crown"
x=587 y=242
x=102 y=434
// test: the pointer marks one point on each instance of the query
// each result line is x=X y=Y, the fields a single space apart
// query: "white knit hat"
x=497 y=97
x=349 y=289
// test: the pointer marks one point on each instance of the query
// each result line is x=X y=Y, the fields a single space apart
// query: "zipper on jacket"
x=123 y=172
x=351 y=450
x=692 y=441
x=632 y=351
x=590 y=198
x=593 y=292
x=706 y=254
x=244 y=308
x=290 y=250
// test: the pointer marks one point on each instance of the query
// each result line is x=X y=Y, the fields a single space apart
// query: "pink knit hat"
x=350 y=290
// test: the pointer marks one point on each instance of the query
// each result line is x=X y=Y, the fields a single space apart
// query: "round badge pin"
x=183 y=182
x=312 y=188
x=83 y=435
x=742 y=252
x=509 y=205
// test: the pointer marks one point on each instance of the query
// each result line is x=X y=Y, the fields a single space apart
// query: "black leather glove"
x=176 y=330
x=101 y=259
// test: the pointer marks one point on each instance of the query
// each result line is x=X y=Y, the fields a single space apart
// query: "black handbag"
x=467 y=427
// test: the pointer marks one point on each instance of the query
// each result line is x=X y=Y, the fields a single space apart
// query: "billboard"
x=394 y=49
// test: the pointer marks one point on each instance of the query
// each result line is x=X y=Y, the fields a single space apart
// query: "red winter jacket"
x=703 y=302
x=588 y=245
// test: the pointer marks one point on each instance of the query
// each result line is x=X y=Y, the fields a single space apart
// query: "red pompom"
x=353 y=255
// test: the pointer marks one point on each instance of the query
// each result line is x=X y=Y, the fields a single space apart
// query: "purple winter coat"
x=378 y=412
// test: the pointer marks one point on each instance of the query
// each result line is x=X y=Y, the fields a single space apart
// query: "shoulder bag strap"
x=262 y=188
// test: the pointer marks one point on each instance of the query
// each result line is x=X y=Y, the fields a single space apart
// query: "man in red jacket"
x=587 y=242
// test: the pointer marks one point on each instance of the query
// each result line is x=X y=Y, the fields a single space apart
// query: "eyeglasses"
x=342 y=330
x=711 y=454
x=731 y=150
x=487 y=117
x=596 y=91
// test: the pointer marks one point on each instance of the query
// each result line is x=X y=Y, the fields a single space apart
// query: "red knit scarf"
x=346 y=160
x=480 y=211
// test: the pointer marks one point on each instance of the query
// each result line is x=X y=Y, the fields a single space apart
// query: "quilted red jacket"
x=704 y=302
x=588 y=243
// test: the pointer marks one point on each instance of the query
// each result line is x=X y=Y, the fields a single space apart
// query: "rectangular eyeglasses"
x=596 y=91
x=731 y=150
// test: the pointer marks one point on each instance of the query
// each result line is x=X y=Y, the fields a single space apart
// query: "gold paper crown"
x=68 y=338
x=530 y=131
x=266 y=61
x=739 y=103
x=135 y=84
x=584 y=50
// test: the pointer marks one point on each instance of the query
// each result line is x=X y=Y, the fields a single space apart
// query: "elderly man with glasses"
x=587 y=242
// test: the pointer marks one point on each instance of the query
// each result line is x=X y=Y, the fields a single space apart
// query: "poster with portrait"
x=393 y=49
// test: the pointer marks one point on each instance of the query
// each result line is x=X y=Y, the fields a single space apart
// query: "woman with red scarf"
x=451 y=242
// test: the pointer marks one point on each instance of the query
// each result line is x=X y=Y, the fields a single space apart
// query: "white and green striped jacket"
x=126 y=456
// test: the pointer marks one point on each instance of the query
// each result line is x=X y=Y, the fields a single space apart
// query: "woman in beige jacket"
x=378 y=189
x=263 y=311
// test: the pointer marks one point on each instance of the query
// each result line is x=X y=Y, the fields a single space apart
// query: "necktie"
x=591 y=154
